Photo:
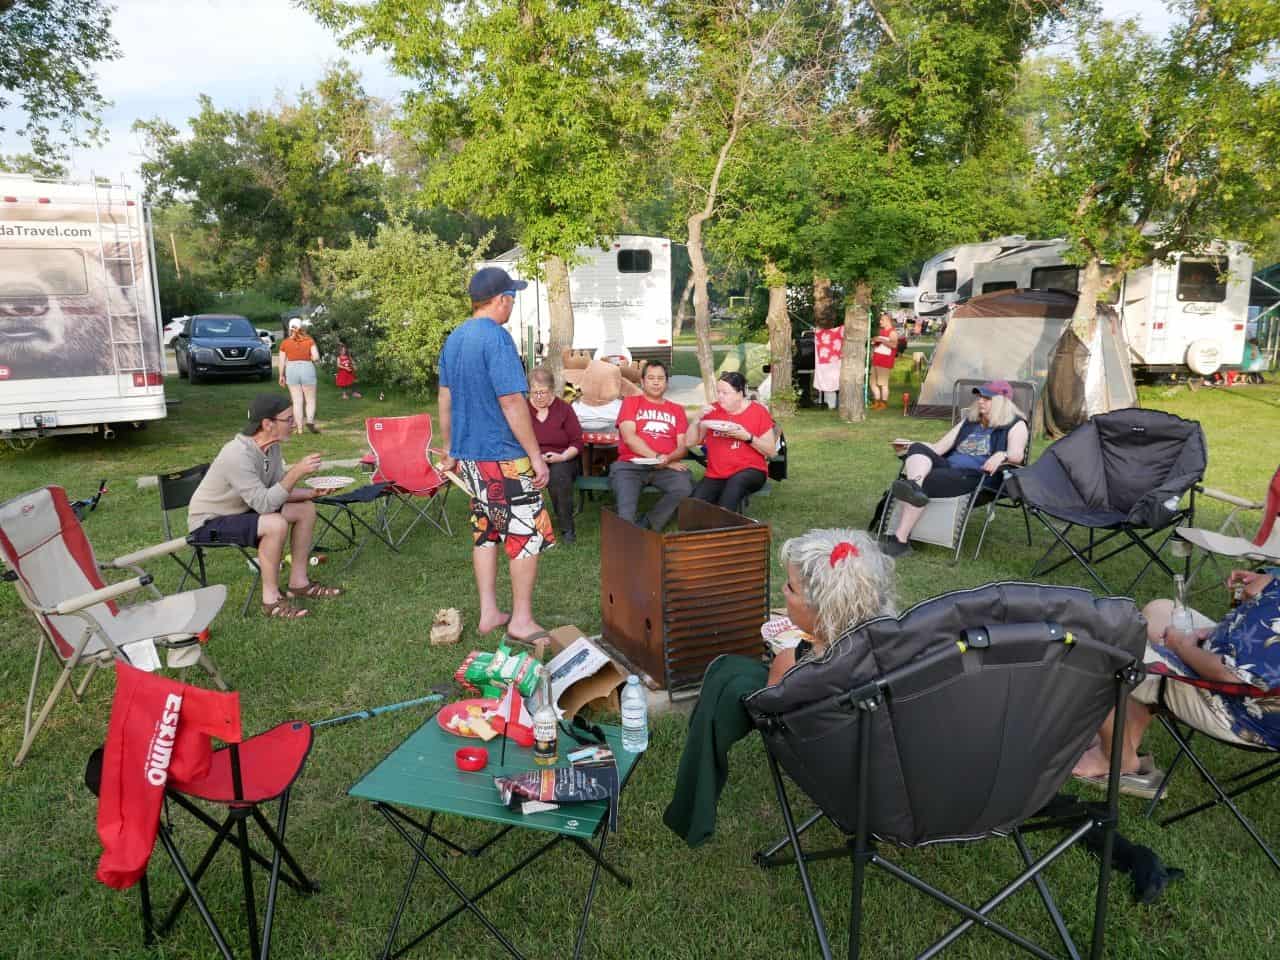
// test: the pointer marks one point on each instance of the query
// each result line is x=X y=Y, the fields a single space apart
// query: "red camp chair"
x=240 y=779
x=401 y=447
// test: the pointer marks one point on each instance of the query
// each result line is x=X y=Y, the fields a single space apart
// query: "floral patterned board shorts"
x=505 y=507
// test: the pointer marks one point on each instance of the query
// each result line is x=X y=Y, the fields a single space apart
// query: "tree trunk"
x=560 y=308
x=701 y=307
x=824 y=302
x=853 y=357
x=1085 y=318
x=782 y=400
x=682 y=311
x=306 y=277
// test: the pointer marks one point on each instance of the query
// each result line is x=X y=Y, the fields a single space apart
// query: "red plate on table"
x=462 y=710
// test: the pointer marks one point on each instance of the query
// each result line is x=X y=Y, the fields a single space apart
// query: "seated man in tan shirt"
x=248 y=498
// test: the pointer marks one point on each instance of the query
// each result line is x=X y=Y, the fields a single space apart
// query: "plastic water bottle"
x=1181 y=619
x=635 y=716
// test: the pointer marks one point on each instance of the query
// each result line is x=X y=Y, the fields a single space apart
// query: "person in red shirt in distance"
x=650 y=450
x=738 y=434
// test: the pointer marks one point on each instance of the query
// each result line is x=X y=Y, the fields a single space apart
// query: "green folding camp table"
x=420 y=775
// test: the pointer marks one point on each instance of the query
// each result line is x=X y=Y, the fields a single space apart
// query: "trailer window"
x=1056 y=278
x=946 y=282
x=34 y=274
x=635 y=261
x=997 y=285
x=1203 y=280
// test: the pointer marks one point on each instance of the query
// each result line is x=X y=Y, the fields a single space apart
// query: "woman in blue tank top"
x=992 y=432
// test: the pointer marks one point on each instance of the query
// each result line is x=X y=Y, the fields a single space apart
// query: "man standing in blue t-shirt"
x=486 y=427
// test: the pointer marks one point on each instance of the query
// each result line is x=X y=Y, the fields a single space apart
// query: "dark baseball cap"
x=994 y=388
x=488 y=282
x=265 y=406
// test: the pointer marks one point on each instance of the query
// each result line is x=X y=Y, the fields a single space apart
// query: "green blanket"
x=718 y=722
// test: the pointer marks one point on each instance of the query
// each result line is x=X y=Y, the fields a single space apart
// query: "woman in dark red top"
x=738 y=435
x=560 y=439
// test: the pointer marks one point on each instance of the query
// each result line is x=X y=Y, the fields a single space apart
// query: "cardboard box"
x=600 y=691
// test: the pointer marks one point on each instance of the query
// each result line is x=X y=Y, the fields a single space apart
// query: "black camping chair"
x=1123 y=474
x=242 y=777
x=176 y=491
x=1225 y=792
x=345 y=515
x=957 y=721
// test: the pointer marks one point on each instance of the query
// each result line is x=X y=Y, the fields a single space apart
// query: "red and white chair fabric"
x=402 y=448
x=51 y=563
x=1229 y=540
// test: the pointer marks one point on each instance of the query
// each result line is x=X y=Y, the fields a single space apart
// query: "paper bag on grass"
x=582 y=674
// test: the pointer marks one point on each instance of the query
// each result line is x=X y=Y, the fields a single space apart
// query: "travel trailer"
x=1186 y=313
x=947 y=278
x=621 y=295
x=79 y=317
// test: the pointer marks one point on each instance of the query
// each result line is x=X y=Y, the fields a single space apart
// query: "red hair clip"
x=841 y=550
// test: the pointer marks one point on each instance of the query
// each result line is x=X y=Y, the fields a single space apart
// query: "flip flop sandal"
x=315 y=591
x=282 y=609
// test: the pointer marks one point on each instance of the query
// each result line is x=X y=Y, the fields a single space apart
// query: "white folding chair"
x=51 y=563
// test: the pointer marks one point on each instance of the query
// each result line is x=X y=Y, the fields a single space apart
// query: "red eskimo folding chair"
x=51 y=563
x=161 y=729
x=1224 y=793
x=400 y=445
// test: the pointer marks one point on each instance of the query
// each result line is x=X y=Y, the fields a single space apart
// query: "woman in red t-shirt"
x=738 y=434
x=884 y=351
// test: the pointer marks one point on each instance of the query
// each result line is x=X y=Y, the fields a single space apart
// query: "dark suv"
x=221 y=344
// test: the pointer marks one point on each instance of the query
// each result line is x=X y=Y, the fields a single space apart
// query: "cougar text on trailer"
x=79 y=317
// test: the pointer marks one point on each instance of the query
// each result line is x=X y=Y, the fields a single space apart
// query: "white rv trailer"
x=79 y=317
x=1189 y=312
x=947 y=277
x=621 y=295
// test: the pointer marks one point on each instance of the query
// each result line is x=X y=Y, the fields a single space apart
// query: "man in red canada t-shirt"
x=650 y=450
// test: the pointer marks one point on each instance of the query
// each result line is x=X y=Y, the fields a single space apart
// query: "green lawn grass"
x=371 y=648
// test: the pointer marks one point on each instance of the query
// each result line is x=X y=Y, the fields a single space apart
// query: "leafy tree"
x=911 y=149
x=536 y=110
x=286 y=181
x=40 y=166
x=734 y=65
x=1164 y=144
x=47 y=52
x=398 y=295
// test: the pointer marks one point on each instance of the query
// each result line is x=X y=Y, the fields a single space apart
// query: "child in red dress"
x=346 y=376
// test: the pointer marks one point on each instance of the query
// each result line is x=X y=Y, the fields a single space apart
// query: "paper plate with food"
x=781 y=634
x=470 y=718
x=720 y=426
x=330 y=484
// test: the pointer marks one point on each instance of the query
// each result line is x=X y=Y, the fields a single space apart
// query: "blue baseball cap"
x=489 y=282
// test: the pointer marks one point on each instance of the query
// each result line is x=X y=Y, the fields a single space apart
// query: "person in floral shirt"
x=1244 y=648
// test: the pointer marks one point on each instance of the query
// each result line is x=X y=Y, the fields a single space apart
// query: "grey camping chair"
x=945 y=521
x=958 y=721
x=1129 y=475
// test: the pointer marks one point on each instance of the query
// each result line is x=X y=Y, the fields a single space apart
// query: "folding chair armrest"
x=139 y=557
x=1229 y=498
x=1214 y=686
x=76 y=604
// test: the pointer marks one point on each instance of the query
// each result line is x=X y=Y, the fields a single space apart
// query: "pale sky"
x=242 y=53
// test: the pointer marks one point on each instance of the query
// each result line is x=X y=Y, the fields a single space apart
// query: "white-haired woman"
x=992 y=432
x=836 y=579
